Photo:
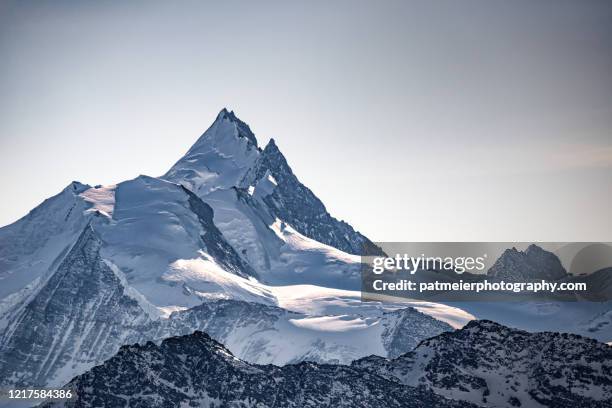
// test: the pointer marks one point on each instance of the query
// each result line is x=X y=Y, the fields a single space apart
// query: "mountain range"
x=483 y=364
x=226 y=241
x=231 y=243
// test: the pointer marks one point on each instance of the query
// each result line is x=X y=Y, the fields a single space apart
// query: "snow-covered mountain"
x=495 y=366
x=94 y=268
x=227 y=156
x=219 y=159
x=227 y=241
x=87 y=310
x=196 y=371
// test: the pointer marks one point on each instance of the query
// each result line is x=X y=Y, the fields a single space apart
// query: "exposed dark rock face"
x=197 y=371
x=296 y=204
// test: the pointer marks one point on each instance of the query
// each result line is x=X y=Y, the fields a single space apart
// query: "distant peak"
x=533 y=263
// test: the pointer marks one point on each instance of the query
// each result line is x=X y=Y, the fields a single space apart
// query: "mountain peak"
x=227 y=156
x=483 y=324
x=224 y=112
x=272 y=149
x=219 y=158
x=227 y=114
x=226 y=132
x=535 y=249
x=273 y=152
x=533 y=263
x=202 y=340
x=243 y=130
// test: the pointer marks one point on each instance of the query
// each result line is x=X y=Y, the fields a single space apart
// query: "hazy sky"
x=417 y=121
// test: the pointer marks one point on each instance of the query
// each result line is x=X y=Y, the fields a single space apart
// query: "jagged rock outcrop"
x=294 y=203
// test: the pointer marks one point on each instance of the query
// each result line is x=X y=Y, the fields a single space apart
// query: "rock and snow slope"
x=76 y=319
x=196 y=371
x=484 y=364
x=33 y=245
x=87 y=310
x=496 y=366
x=265 y=334
x=227 y=156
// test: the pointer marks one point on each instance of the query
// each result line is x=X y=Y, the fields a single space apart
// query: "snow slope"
x=266 y=334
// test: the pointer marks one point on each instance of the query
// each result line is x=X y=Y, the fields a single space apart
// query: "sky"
x=411 y=120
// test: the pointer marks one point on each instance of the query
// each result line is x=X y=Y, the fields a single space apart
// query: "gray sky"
x=415 y=121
